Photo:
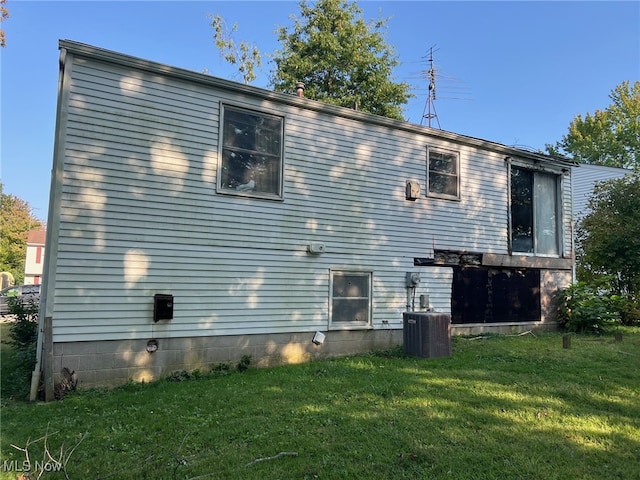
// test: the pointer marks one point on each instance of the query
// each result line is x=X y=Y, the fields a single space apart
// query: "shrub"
x=630 y=310
x=23 y=333
x=587 y=308
x=24 y=330
x=218 y=370
x=244 y=363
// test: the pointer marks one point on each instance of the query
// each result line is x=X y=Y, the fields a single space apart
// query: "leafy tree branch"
x=4 y=14
x=609 y=137
x=246 y=56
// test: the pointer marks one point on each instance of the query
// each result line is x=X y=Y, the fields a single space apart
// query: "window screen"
x=350 y=298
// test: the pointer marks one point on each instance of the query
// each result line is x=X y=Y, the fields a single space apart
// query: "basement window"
x=251 y=159
x=535 y=216
x=443 y=173
x=350 y=299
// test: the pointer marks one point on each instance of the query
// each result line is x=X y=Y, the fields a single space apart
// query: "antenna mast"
x=429 y=111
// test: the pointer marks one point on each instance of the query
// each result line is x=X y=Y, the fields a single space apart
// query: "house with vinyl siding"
x=584 y=179
x=34 y=258
x=194 y=220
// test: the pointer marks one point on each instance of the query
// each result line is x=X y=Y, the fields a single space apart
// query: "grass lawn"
x=519 y=407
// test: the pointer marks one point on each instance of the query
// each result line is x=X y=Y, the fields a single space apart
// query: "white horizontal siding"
x=567 y=215
x=139 y=214
x=585 y=177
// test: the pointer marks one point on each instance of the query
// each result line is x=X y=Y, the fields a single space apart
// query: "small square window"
x=350 y=299
x=443 y=173
x=251 y=153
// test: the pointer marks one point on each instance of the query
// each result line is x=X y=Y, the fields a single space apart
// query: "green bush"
x=24 y=330
x=244 y=363
x=630 y=310
x=23 y=333
x=588 y=307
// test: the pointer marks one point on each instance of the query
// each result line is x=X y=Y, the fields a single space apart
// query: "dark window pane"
x=239 y=130
x=444 y=184
x=252 y=152
x=521 y=210
x=442 y=162
x=443 y=173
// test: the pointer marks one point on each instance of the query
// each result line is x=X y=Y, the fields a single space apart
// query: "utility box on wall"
x=426 y=334
x=412 y=190
x=162 y=307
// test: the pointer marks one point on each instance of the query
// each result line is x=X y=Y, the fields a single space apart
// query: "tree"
x=341 y=59
x=246 y=56
x=4 y=14
x=608 y=238
x=609 y=137
x=15 y=222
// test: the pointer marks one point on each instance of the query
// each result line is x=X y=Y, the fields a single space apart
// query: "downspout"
x=45 y=338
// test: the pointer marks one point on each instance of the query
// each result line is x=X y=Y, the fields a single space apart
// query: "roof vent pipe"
x=300 y=89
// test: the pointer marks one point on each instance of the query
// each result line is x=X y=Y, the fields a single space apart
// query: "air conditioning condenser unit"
x=426 y=334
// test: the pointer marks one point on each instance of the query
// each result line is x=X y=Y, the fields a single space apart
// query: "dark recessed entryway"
x=488 y=295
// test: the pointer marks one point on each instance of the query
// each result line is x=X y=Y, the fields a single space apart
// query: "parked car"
x=26 y=293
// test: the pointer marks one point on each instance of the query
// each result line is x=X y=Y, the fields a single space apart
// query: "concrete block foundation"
x=115 y=362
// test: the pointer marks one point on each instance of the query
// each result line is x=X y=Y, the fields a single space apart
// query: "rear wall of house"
x=139 y=215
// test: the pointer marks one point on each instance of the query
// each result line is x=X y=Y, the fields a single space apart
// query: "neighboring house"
x=195 y=220
x=584 y=178
x=34 y=262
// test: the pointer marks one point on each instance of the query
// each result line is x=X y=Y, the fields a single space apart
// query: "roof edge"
x=110 y=56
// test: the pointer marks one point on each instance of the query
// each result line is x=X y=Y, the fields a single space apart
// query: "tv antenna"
x=429 y=113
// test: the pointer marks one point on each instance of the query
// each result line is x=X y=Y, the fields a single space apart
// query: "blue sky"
x=515 y=73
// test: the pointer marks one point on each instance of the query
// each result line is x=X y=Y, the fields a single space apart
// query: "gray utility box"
x=426 y=334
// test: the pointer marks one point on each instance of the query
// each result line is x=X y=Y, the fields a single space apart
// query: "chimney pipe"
x=300 y=89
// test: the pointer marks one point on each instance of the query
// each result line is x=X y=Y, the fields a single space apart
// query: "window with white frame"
x=443 y=173
x=350 y=298
x=535 y=214
x=251 y=160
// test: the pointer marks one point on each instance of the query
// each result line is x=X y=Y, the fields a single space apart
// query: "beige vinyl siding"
x=139 y=213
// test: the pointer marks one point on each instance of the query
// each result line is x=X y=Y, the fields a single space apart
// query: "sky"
x=511 y=72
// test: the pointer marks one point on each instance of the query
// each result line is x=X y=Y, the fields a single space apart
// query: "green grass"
x=499 y=408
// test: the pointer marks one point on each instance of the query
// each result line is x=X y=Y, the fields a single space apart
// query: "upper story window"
x=251 y=157
x=443 y=173
x=535 y=214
